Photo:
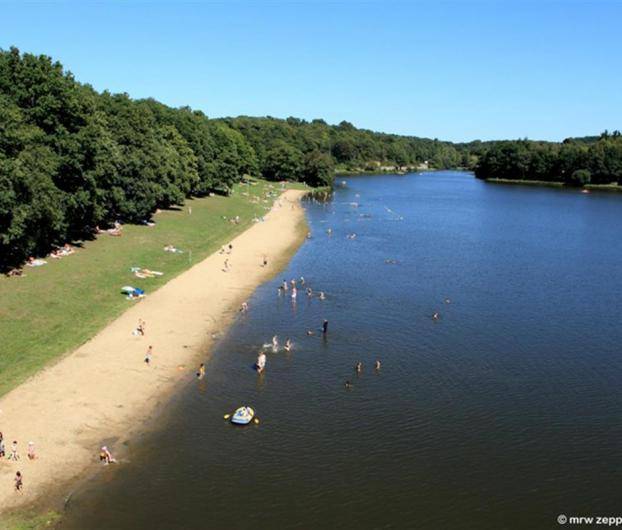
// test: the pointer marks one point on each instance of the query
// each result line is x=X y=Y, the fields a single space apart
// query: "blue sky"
x=453 y=70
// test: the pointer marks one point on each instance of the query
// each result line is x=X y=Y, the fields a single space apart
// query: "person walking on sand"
x=148 y=355
x=1 y=446
x=265 y=261
x=14 y=454
x=226 y=265
x=201 y=372
x=325 y=327
x=19 y=484
x=31 y=451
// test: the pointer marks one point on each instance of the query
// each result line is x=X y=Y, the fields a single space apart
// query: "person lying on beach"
x=32 y=262
x=201 y=372
x=105 y=456
x=15 y=272
x=19 y=484
x=172 y=249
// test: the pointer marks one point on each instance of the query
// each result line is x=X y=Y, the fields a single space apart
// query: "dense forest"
x=575 y=161
x=73 y=159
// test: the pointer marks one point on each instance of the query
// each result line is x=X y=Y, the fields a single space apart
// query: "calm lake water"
x=504 y=413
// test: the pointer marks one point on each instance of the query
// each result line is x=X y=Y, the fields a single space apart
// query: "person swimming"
x=348 y=385
x=377 y=364
x=436 y=316
x=288 y=345
x=261 y=362
x=322 y=295
x=309 y=291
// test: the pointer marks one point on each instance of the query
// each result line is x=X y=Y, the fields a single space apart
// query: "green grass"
x=30 y=521
x=57 y=307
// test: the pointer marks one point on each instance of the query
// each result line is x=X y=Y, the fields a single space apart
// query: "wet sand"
x=101 y=393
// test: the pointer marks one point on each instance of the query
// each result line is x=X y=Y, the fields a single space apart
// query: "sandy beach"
x=101 y=393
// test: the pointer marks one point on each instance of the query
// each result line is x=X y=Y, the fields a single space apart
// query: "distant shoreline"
x=556 y=184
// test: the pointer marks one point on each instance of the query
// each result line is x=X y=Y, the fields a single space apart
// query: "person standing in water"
x=358 y=367
x=275 y=343
x=377 y=364
x=285 y=286
x=325 y=327
x=201 y=372
x=288 y=345
x=294 y=293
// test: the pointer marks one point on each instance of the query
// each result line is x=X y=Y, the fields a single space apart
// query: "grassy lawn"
x=55 y=308
x=30 y=521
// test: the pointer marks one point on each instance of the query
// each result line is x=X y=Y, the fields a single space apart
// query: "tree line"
x=72 y=159
x=575 y=161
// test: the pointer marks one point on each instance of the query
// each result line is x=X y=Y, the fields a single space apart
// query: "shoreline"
x=556 y=184
x=103 y=393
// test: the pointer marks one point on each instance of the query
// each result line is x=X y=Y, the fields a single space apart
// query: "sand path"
x=104 y=391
